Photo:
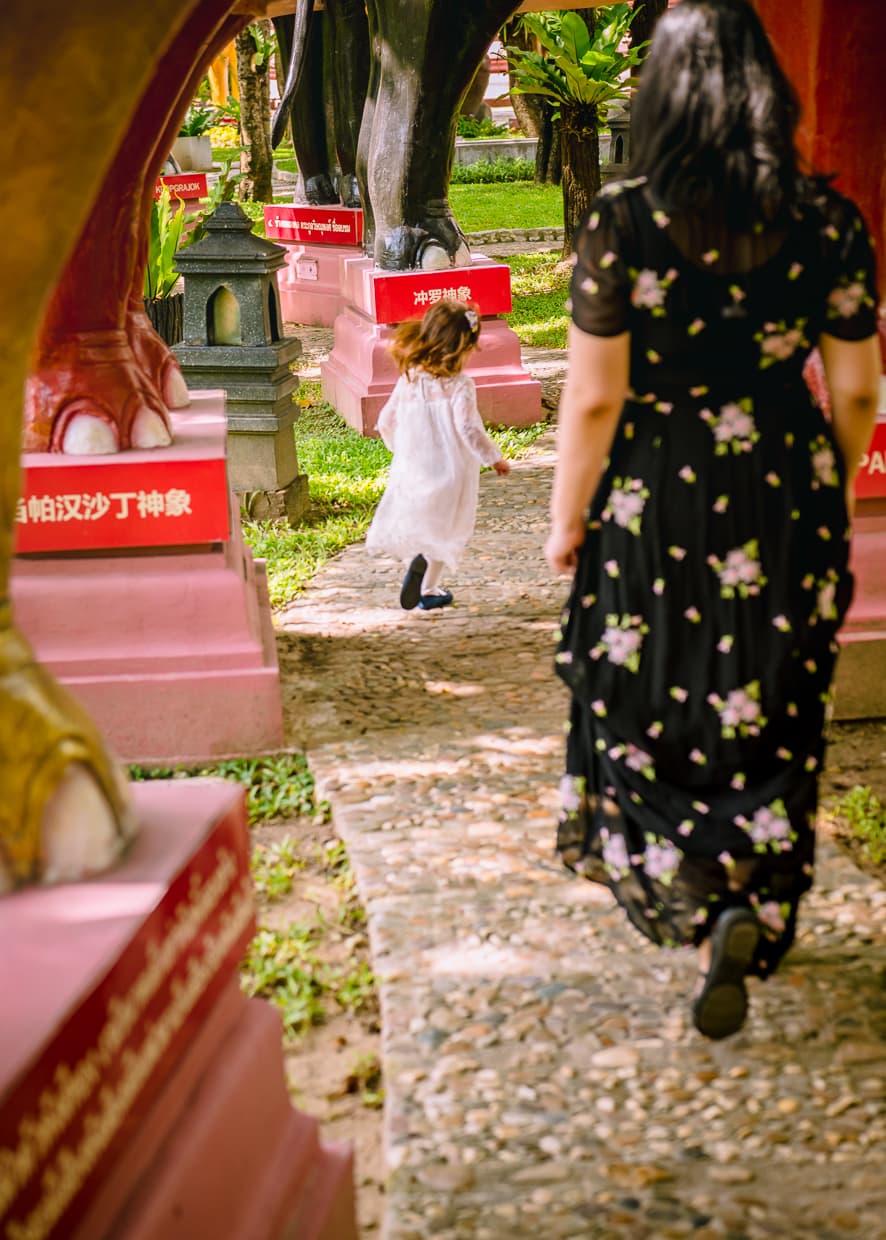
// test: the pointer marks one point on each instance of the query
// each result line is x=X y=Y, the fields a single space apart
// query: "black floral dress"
x=699 y=639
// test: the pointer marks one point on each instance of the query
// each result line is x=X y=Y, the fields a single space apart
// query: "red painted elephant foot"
x=90 y=396
x=155 y=359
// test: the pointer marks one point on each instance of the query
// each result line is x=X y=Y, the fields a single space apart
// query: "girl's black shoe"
x=410 y=591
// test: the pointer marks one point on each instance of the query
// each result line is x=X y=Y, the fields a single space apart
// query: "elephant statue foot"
x=318 y=191
x=66 y=813
x=349 y=190
x=90 y=397
x=436 y=245
x=155 y=359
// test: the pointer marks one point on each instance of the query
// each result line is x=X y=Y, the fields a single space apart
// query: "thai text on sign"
x=318 y=225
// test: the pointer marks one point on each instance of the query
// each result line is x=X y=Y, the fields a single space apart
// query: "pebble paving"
x=542 y=1077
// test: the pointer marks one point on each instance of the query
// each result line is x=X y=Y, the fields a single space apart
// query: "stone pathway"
x=542 y=1078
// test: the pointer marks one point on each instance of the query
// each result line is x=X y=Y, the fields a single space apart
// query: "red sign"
x=317 y=225
x=870 y=481
x=407 y=294
x=183 y=185
x=167 y=497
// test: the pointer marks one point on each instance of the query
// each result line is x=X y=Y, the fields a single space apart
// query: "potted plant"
x=163 y=305
x=192 y=149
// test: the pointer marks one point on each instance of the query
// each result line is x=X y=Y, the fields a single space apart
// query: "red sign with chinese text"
x=407 y=294
x=870 y=481
x=91 y=507
x=183 y=185
x=316 y=225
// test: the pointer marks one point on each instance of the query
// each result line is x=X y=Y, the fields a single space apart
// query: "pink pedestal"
x=141 y=1096
x=358 y=375
x=861 y=669
x=316 y=240
x=310 y=283
x=170 y=649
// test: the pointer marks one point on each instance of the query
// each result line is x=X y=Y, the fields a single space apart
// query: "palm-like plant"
x=580 y=71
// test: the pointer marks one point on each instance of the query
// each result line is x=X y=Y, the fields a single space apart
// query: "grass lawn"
x=540 y=285
x=514 y=204
x=347 y=477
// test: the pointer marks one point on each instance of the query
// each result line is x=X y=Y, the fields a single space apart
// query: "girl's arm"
x=386 y=425
x=470 y=428
x=852 y=369
x=592 y=400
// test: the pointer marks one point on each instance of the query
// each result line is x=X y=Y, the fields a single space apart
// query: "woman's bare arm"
x=852 y=369
x=592 y=400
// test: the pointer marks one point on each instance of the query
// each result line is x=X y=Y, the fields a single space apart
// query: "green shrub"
x=489 y=171
x=470 y=127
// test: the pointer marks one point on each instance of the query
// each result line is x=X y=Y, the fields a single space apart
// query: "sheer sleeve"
x=600 y=293
x=469 y=424
x=386 y=425
x=851 y=312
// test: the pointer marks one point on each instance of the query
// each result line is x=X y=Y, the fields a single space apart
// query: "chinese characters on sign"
x=92 y=507
x=427 y=296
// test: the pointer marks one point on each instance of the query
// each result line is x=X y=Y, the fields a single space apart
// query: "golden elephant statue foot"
x=65 y=813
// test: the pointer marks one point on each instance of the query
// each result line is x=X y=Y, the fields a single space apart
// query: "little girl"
x=433 y=427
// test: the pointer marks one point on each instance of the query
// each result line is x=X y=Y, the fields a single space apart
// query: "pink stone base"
x=126 y=987
x=359 y=375
x=316 y=302
x=173 y=654
x=861 y=669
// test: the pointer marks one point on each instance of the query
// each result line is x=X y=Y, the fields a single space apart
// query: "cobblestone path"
x=542 y=1077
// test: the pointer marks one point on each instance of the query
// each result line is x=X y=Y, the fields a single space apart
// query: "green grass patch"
x=540 y=286
x=277 y=787
x=515 y=205
x=347 y=475
x=865 y=816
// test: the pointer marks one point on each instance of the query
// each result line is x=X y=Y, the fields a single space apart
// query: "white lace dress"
x=435 y=431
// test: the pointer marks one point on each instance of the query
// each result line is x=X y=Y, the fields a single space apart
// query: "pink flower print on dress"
x=638 y=760
x=609 y=259
x=824 y=463
x=572 y=789
x=771 y=916
x=771 y=828
x=626 y=502
x=734 y=428
x=615 y=855
x=778 y=342
x=847 y=299
x=696 y=326
x=622 y=641
x=741 y=572
x=741 y=713
x=650 y=289
x=661 y=860
x=660 y=218
x=593 y=221
x=795 y=271
x=590 y=286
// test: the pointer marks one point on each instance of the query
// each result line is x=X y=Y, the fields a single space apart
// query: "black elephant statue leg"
x=349 y=74
x=304 y=103
x=426 y=64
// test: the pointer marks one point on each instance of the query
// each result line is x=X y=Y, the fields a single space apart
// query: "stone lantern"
x=619 y=122
x=233 y=340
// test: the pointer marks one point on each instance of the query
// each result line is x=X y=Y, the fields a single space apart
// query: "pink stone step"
x=310 y=283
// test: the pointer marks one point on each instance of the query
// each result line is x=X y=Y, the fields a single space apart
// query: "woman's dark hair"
x=714 y=116
x=440 y=342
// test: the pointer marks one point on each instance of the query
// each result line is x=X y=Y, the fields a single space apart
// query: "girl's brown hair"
x=439 y=342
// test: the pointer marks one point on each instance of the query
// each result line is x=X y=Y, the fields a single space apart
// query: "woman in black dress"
x=710 y=571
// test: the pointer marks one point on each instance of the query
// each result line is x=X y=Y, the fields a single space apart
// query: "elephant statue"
x=421 y=64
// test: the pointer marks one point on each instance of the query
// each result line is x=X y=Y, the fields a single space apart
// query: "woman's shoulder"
x=838 y=213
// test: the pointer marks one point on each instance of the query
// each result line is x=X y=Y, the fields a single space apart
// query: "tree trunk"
x=528 y=109
x=580 y=139
x=255 y=119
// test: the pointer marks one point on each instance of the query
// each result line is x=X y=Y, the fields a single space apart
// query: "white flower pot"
x=193 y=154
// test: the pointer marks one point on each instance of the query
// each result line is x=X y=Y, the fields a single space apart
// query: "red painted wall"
x=834 y=52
